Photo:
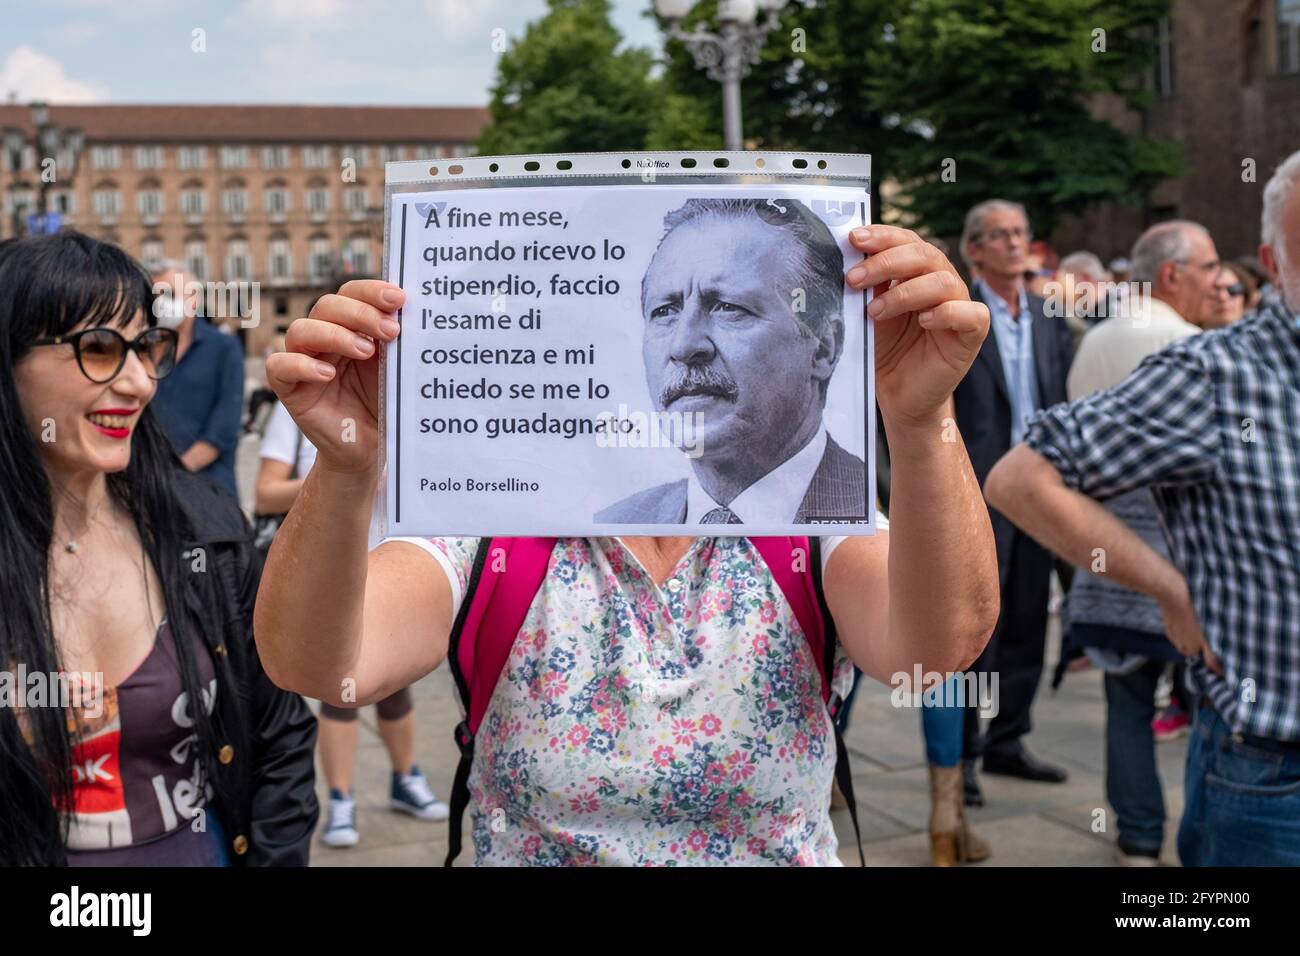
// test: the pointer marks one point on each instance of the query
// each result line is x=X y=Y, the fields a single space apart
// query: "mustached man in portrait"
x=724 y=337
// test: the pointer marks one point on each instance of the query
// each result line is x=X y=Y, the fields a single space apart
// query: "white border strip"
x=429 y=172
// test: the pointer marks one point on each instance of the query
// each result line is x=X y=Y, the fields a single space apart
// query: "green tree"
x=809 y=89
x=566 y=86
x=1001 y=93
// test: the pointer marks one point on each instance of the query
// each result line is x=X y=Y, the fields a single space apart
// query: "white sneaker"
x=341 y=828
x=412 y=794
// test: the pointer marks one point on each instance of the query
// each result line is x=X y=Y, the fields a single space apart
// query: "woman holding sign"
x=659 y=701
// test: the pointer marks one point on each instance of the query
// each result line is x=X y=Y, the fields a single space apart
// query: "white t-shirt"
x=281 y=438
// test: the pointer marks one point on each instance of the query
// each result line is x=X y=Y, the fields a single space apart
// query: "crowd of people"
x=1131 y=430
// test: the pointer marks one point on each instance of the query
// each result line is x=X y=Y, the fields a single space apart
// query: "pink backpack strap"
x=796 y=563
x=510 y=576
x=490 y=616
x=796 y=566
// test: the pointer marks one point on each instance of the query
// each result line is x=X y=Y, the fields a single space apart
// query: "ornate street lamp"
x=727 y=52
x=49 y=141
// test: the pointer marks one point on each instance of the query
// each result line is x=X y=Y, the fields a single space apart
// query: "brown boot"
x=951 y=839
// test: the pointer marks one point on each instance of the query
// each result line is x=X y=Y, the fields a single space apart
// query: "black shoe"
x=1025 y=766
x=971 y=784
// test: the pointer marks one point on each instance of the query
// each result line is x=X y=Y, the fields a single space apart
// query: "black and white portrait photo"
x=743 y=311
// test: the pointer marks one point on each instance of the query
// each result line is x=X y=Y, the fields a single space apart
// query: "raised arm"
x=332 y=621
x=926 y=593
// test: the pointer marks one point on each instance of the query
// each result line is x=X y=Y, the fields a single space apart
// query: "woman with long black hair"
x=173 y=747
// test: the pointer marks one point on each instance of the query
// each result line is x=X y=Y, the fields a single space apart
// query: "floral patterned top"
x=644 y=725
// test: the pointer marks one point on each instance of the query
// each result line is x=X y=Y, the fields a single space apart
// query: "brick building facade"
x=1227 y=87
x=289 y=197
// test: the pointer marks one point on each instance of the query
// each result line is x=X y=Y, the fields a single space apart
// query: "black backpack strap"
x=464 y=739
x=843 y=773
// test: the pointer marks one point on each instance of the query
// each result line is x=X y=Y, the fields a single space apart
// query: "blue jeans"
x=1242 y=799
x=942 y=726
x=1132 y=779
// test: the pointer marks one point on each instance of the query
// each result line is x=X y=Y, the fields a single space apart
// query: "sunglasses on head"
x=101 y=352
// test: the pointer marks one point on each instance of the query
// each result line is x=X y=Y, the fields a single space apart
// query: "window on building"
x=192 y=157
x=108 y=203
x=1288 y=36
x=281 y=261
x=16 y=199
x=275 y=157
x=390 y=154
x=194 y=202
x=235 y=202
x=358 y=154
x=239 y=262
x=148 y=157
x=315 y=157
x=277 y=201
x=318 y=201
x=1164 y=65
x=359 y=255
x=234 y=157
x=355 y=199
x=321 y=258
x=65 y=202
x=151 y=253
x=196 y=258
x=149 y=202
x=105 y=157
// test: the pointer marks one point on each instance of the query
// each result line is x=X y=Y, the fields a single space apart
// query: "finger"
x=320 y=338
x=355 y=314
x=918 y=295
x=970 y=320
x=878 y=238
x=1211 y=661
x=382 y=295
x=285 y=370
x=897 y=263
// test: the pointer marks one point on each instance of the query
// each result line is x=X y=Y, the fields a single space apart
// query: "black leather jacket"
x=266 y=757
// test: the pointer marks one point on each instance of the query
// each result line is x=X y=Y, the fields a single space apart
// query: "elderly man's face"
x=1002 y=248
x=1195 y=283
x=1288 y=269
x=722 y=337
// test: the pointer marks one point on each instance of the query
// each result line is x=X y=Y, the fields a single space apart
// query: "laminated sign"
x=630 y=343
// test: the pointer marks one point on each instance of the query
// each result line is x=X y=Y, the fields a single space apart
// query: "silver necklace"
x=71 y=545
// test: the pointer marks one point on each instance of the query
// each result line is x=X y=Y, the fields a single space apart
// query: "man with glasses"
x=201 y=403
x=1021 y=368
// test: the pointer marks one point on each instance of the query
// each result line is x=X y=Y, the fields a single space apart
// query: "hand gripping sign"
x=628 y=343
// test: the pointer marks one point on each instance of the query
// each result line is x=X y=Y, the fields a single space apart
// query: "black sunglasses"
x=101 y=352
x=1236 y=289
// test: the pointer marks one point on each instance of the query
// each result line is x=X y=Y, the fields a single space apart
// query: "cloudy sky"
x=430 y=52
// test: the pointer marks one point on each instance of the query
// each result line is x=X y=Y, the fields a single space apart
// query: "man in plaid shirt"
x=1212 y=425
